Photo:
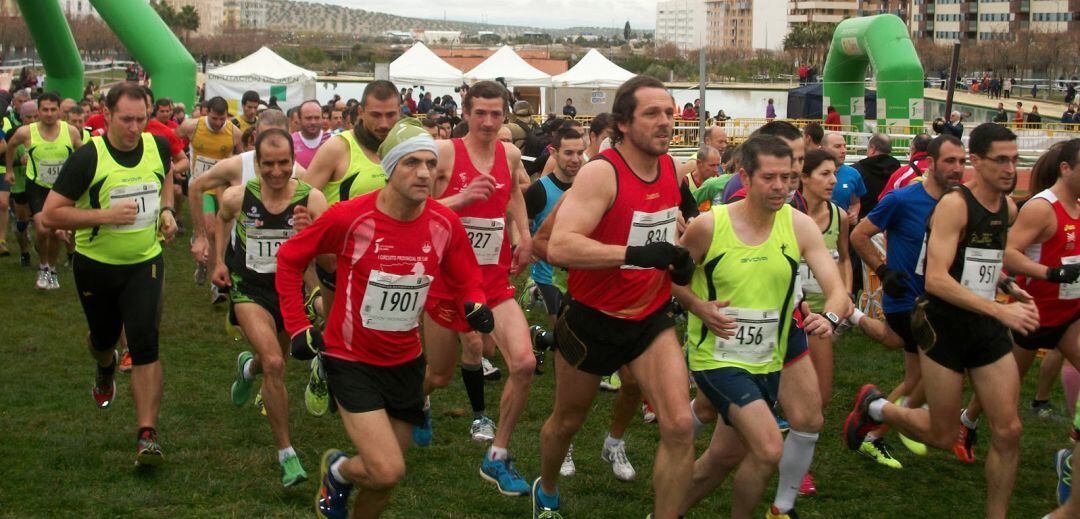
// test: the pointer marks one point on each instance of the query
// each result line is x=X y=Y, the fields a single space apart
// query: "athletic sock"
x=611 y=443
x=794 y=463
x=335 y=472
x=497 y=453
x=968 y=422
x=545 y=499
x=698 y=424
x=876 y=408
x=285 y=453
x=108 y=370
x=855 y=317
x=1036 y=403
x=872 y=436
x=472 y=375
x=247 y=374
x=145 y=431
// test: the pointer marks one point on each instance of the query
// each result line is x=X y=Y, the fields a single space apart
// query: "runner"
x=310 y=135
x=715 y=137
x=704 y=182
x=249 y=105
x=918 y=163
x=48 y=142
x=616 y=234
x=118 y=267
x=959 y=327
x=903 y=217
x=213 y=138
x=16 y=176
x=267 y=210
x=375 y=364
x=476 y=179
x=740 y=320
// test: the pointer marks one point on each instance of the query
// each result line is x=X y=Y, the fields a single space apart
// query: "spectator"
x=1033 y=118
x=849 y=185
x=917 y=164
x=1070 y=91
x=1000 y=116
x=569 y=110
x=770 y=111
x=954 y=127
x=875 y=170
x=1034 y=90
x=424 y=106
x=688 y=112
x=1007 y=87
x=721 y=116
x=802 y=74
x=832 y=119
x=1069 y=117
x=1019 y=117
x=410 y=103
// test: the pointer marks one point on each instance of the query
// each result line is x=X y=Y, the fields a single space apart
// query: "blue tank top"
x=542 y=270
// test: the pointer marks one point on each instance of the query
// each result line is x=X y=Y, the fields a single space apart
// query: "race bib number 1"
x=981 y=270
x=755 y=338
x=646 y=228
x=393 y=303
x=807 y=281
x=486 y=238
x=147 y=204
x=262 y=246
x=1067 y=291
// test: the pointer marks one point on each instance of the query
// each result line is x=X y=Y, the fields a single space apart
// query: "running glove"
x=479 y=317
x=656 y=255
x=1063 y=273
x=892 y=281
x=683 y=270
x=306 y=344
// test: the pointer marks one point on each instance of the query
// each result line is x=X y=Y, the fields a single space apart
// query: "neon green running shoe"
x=879 y=452
x=259 y=403
x=316 y=394
x=241 y=387
x=915 y=447
x=611 y=382
x=292 y=472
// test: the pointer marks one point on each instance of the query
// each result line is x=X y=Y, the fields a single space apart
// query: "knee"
x=769 y=452
x=565 y=425
x=806 y=420
x=523 y=366
x=273 y=366
x=677 y=427
x=438 y=380
x=1006 y=435
x=385 y=475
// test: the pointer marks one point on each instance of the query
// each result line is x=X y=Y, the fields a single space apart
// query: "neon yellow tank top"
x=759 y=281
x=47 y=157
x=361 y=177
x=808 y=284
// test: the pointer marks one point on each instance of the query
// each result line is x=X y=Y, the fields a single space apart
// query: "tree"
x=165 y=11
x=626 y=31
x=187 y=20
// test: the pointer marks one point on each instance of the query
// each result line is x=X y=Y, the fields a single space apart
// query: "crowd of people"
x=381 y=253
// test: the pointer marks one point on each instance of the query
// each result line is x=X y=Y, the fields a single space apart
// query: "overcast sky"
x=536 y=13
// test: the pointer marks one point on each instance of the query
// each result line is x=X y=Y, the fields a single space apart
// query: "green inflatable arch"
x=881 y=42
x=139 y=28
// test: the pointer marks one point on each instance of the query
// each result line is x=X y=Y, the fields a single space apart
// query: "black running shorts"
x=127 y=297
x=900 y=322
x=958 y=340
x=359 y=388
x=597 y=343
x=1046 y=337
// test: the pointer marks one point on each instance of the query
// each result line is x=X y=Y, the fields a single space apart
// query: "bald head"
x=716 y=137
x=28 y=111
x=834 y=144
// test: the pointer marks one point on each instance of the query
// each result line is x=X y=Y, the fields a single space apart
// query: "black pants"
x=122 y=297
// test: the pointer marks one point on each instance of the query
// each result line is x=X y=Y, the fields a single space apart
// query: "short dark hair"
x=985 y=135
x=934 y=148
x=920 y=142
x=815 y=132
x=48 y=96
x=124 y=89
x=485 y=90
x=75 y=110
x=273 y=133
x=218 y=105
x=622 y=109
x=815 y=158
x=1070 y=152
x=782 y=129
x=444 y=120
x=761 y=144
x=563 y=134
x=428 y=122
x=164 y=101
x=602 y=121
x=250 y=96
x=381 y=90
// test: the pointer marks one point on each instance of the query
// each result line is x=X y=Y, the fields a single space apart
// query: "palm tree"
x=187 y=20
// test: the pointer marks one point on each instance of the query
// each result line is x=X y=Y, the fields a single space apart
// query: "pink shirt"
x=303 y=152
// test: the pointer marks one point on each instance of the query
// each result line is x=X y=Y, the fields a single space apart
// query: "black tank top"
x=981 y=244
x=267 y=229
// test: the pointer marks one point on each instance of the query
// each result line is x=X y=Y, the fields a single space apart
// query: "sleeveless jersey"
x=208 y=146
x=259 y=233
x=114 y=183
x=808 y=285
x=8 y=128
x=541 y=270
x=979 y=253
x=47 y=157
x=302 y=151
x=362 y=176
x=247 y=167
x=642 y=213
x=1058 y=303
x=759 y=280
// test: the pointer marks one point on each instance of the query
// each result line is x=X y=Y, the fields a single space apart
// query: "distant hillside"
x=313 y=17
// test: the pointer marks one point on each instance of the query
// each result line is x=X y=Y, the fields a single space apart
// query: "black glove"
x=1063 y=274
x=892 y=281
x=656 y=255
x=479 y=317
x=684 y=267
x=307 y=344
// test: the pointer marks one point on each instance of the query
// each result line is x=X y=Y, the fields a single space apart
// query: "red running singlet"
x=1057 y=303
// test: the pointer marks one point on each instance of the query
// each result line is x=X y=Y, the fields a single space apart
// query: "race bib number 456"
x=754 y=340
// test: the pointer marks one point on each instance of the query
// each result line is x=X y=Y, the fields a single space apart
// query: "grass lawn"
x=67 y=458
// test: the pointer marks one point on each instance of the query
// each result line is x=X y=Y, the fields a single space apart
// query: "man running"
x=903 y=217
x=249 y=105
x=477 y=178
x=267 y=210
x=615 y=233
x=310 y=137
x=389 y=245
x=48 y=142
x=741 y=305
x=20 y=203
x=116 y=196
x=958 y=325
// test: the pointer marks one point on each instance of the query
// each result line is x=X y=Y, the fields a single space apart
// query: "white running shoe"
x=42 y=279
x=216 y=295
x=490 y=371
x=620 y=466
x=647 y=413
x=482 y=429
x=200 y=273
x=54 y=280
x=567 y=469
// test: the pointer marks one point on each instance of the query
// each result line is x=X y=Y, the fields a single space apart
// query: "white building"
x=245 y=14
x=78 y=8
x=436 y=37
x=681 y=22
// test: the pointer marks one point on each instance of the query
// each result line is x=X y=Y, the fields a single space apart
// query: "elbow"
x=555 y=254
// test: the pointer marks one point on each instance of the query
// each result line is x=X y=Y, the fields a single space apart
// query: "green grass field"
x=64 y=457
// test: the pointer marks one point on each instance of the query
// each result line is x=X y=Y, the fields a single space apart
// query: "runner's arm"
x=515 y=212
x=324 y=164
x=1034 y=224
x=844 y=262
x=230 y=204
x=697 y=239
x=590 y=197
x=946 y=225
x=76 y=137
x=812 y=248
x=186 y=130
x=74 y=179
x=543 y=234
x=13 y=142
x=223 y=174
x=861 y=239
x=326 y=235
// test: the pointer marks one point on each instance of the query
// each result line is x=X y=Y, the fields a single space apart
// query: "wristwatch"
x=832 y=318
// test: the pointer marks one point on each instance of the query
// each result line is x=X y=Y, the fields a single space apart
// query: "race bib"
x=49 y=171
x=646 y=228
x=201 y=165
x=486 y=238
x=147 y=204
x=807 y=282
x=393 y=303
x=1068 y=291
x=981 y=269
x=755 y=337
x=920 y=265
x=262 y=246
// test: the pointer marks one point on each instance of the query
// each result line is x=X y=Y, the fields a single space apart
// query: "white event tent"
x=506 y=63
x=419 y=65
x=266 y=73
x=593 y=71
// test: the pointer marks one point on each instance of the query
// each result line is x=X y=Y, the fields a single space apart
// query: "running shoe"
x=504 y=475
x=332 y=498
x=125 y=362
x=482 y=429
x=42 y=279
x=491 y=372
x=542 y=510
x=964 y=448
x=241 y=387
x=858 y=422
x=568 y=469
x=647 y=413
x=292 y=472
x=1042 y=410
x=620 y=465
x=535 y=332
x=217 y=295
x=258 y=402
x=200 y=274
x=104 y=390
x=611 y=382
x=781 y=423
x=807 y=488
x=148 y=450
x=1063 y=465
x=24 y=259
x=916 y=448
x=774 y=513
x=527 y=297
x=54 y=280
x=316 y=392
x=421 y=434
x=879 y=452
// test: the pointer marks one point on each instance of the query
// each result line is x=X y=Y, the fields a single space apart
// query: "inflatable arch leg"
x=56 y=46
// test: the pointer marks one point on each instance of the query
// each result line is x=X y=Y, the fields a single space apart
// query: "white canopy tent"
x=593 y=71
x=266 y=73
x=420 y=66
x=505 y=63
